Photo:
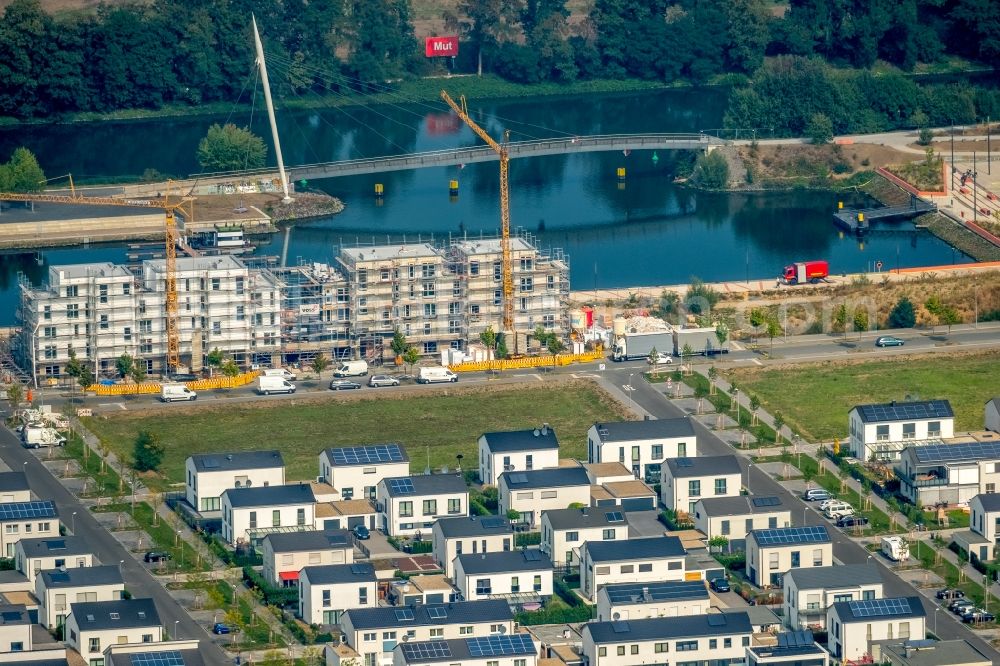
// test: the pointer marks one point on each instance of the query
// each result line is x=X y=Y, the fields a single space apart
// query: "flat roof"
x=108 y=574
x=741 y=505
x=587 y=517
x=656 y=591
x=946 y=453
x=490 y=245
x=297 y=542
x=102 y=269
x=222 y=262
x=935 y=653
x=790 y=536
x=14 y=482
x=334 y=574
x=456 y=612
x=389 y=252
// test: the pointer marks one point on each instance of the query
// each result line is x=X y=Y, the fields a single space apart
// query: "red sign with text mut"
x=435 y=47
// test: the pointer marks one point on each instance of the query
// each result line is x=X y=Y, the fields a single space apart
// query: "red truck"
x=806 y=271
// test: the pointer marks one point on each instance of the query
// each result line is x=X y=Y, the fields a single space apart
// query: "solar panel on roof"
x=810 y=534
x=952 y=452
x=168 y=658
x=880 y=607
x=426 y=650
x=10 y=616
x=532 y=555
x=359 y=569
x=684 y=462
x=437 y=612
x=27 y=510
x=766 y=501
x=56 y=544
x=492 y=522
x=367 y=455
x=620 y=627
x=716 y=620
x=518 y=478
x=401 y=486
x=404 y=614
x=614 y=517
x=59 y=577
x=497 y=646
x=210 y=463
x=657 y=591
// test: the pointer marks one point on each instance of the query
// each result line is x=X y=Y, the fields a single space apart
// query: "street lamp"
x=74 y=523
x=631 y=400
x=181 y=547
x=176 y=622
x=736 y=398
x=935 y=621
x=749 y=467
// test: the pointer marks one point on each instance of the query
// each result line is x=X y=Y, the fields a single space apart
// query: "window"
x=515 y=584
x=660 y=648
x=473 y=268
x=72 y=291
x=657 y=451
x=527 y=284
x=94 y=645
x=602 y=652
x=147 y=638
x=934 y=429
x=276 y=518
x=727 y=642
x=240 y=313
x=796 y=558
x=818 y=557
x=720 y=486
x=47 y=312
x=537 y=583
x=483 y=586
x=724 y=528
x=145 y=325
x=882 y=433
x=694 y=488
x=430 y=507
x=73 y=311
x=326 y=598
x=428 y=292
x=572 y=537
x=51 y=351
x=608 y=534
x=991 y=488
x=405 y=509
x=363 y=596
x=687 y=646
x=253 y=520
x=520 y=662
x=550 y=494
x=102 y=291
x=646 y=568
x=621 y=650
x=497 y=297
x=465 y=631
x=628 y=568
x=300 y=517
x=674 y=566
x=455 y=505
x=17 y=646
x=526 y=263
x=49 y=332
x=216 y=284
x=682 y=450
x=128 y=334
x=713 y=644
x=603 y=571
x=909 y=430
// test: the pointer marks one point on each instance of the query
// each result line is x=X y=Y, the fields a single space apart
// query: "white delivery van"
x=174 y=392
x=279 y=372
x=37 y=435
x=352 y=369
x=268 y=385
x=435 y=375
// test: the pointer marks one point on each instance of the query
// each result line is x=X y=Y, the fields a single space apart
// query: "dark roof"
x=468 y=650
x=13 y=482
x=869 y=609
x=27 y=510
x=120 y=614
x=55 y=546
x=296 y=493
x=221 y=462
x=339 y=573
x=155 y=655
x=634 y=549
x=470 y=526
x=555 y=477
x=458 y=612
x=623 y=431
x=835 y=577
x=297 y=542
x=511 y=560
x=521 y=440
x=646 y=593
x=944 y=453
x=905 y=411
x=990 y=501
x=11 y=614
x=82 y=576
x=702 y=466
x=790 y=536
x=741 y=505
x=426 y=484
x=665 y=628
x=372 y=454
x=568 y=519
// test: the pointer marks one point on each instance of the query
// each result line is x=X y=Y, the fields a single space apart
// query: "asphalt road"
x=138 y=581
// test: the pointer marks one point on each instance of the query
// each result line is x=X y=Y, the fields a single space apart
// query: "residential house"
x=564 y=531
x=771 y=553
x=715 y=638
x=183 y=652
x=28 y=519
x=519 y=576
x=632 y=495
x=452 y=537
x=639 y=601
x=853 y=625
x=882 y=431
x=991 y=414
x=793 y=648
x=980 y=540
x=531 y=493
x=643 y=446
x=409 y=505
x=346 y=514
x=15 y=633
x=517 y=451
x=734 y=517
x=514 y=650
x=607 y=472
x=808 y=593
x=92 y=626
x=57 y=589
x=929 y=653
x=14 y=487
x=325 y=592
x=284 y=554
x=355 y=471
x=34 y=555
x=373 y=633
x=687 y=480
x=421 y=589
x=250 y=514
x=211 y=474
x=630 y=561
x=948 y=473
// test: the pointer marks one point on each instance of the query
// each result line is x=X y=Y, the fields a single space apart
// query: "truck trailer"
x=632 y=346
x=805 y=271
x=701 y=341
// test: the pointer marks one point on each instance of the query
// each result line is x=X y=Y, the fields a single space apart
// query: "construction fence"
x=528 y=362
x=145 y=388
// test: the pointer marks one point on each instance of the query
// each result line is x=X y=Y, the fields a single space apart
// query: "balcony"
x=925 y=479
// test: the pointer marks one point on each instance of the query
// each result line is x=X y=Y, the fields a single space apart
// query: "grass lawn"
x=445 y=423
x=815 y=399
x=184 y=558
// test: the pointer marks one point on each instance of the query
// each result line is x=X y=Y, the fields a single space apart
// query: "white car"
x=826 y=503
x=660 y=359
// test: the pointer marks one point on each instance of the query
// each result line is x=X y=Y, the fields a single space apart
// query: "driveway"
x=644 y=524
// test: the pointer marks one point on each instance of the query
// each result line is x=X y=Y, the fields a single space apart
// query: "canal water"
x=645 y=231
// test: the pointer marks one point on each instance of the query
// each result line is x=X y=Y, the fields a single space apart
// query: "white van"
x=279 y=372
x=174 y=392
x=352 y=369
x=836 y=510
x=266 y=385
x=435 y=375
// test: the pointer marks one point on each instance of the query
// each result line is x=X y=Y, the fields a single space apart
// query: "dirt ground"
x=792 y=161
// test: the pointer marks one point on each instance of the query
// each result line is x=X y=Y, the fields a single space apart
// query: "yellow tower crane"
x=501 y=149
x=184 y=205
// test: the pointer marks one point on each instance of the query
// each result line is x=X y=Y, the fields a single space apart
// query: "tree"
x=485 y=24
x=820 y=129
x=949 y=317
x=214 y=358
x=712 y=375
x=230 y=148
x=320 y=363
x=555 y=345
x=489 y=337
x=86 y=378
x=721 y=333
x=124 y=365
x=711 y=171
x=230 y=369
x=779 y=423
x=137 y=372
x=73 y=365
x=902 y=314
x=22 y=173
x=925 y=136
x=513 y=515
x=754 y=406
x=15 y=394
x=860 y=321
x=840 y=319
x=382 y=36
x=773 y=330
x=398 y=343
x=411 y=356
x=502 y=346
x=934 y=307
x=700 y=391
x=653 y=358
x=148 y=452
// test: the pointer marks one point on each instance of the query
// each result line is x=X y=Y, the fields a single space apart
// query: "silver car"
x=382 y=380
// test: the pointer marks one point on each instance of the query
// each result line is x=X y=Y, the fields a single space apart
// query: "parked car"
x=889 y=341
x=837 y=510
x=852 y=521
x=183 y=377
x=816 y=495
x=827 y=502
x=660 y=359
x=977 y=615
x=949 y=593
x=959 y=606
x=719 y=585
x=343 y=385
x=361 y=533
x=382 y=380
x=220 y=629
x=156 y=556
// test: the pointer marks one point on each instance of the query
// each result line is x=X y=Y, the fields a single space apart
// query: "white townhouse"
x=182 y=652
x=211 y=474
x=564 y=531
x=92 y=626
x=630 y=561
x=249 y=514
x=948 y=473
x=519 y=576
x=34 y=555
x=882 y=431
x=284 y=554
x=808 y=593
x=57 y=589
x=31 y=519
x=714 y=638
x=516 y=451
x=531 y=493
x=325 y=592
x=355 y=471
x=771 y=553
x=14 y=487
x=410 y=505
x=642 y=446
x=514 y=650
x=639 y=601
x=991 y=414
x=15 y=633
x=452 y=537
x=373 y=633
x=734 y=517
x=687 y=480
x=981 y=539
x=793 y=648
x=852 y=626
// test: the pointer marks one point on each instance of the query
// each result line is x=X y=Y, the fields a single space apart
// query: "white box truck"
x=267 y=385
x=352 y=369
x=895 y=548
x=703 y=341
x=436 y=375
x=632 y=346
x=279 y=372
x=176 y=392
x=37 y=435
